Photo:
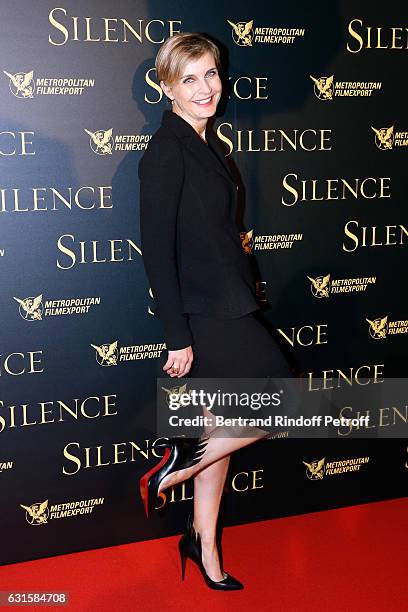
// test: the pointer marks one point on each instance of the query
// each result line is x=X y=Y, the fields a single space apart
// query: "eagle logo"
x=246 y=238
x=175 y=391
x=323 y=87
x=378 y=328
x=242 y=33
x=101 y=141
x=21 y=84
x=384 y=138
x=31 y=308
x=320 y=286
x=107 y=354
x=315 y=469
x=37 y=514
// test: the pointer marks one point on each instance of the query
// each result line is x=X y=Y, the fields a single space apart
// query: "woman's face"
x=197 y=92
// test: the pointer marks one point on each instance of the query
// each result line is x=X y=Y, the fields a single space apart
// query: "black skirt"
x=238 y=348
x=235 y=348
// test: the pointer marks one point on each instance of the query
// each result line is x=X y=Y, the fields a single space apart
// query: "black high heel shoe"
x=190 y=546
x=180 y=453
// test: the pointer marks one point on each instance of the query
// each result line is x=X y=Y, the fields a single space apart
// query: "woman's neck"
x=199 y=128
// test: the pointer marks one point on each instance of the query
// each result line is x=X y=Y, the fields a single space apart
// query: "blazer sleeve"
x=161 y=174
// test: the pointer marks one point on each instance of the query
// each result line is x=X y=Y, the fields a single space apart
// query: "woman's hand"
x=179 y=362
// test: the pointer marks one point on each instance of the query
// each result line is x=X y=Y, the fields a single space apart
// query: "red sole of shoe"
x=144 y=481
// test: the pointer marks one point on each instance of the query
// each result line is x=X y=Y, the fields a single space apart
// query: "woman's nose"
x=205 y=87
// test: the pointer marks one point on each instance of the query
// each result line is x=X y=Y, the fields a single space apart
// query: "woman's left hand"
x=179 y=362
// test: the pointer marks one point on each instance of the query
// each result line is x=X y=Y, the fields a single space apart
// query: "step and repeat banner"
x=313 y=125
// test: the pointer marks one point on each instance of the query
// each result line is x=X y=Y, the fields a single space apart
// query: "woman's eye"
x=211 y=73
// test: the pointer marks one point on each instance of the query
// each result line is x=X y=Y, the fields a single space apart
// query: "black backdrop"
x=75 y=428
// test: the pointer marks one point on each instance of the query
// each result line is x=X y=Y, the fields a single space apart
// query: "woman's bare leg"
x=216 y=448
x=209 y=479
x=208 y=488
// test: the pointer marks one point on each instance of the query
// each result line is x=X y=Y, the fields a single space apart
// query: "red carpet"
x=352 y=560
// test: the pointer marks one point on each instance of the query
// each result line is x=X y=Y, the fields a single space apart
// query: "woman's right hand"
x=179 y=362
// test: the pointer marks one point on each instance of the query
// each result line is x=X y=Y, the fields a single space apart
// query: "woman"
x=201 y=282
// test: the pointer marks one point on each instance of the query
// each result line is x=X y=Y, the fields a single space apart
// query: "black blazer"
x=191 y=248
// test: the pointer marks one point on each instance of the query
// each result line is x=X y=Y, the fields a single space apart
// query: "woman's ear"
x=167 y=90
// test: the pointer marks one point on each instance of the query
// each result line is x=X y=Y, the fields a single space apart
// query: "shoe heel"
x=144 y=495
x=144 y=481
x=183 y=559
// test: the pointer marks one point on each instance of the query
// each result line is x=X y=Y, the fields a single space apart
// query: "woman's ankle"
x=207 y=536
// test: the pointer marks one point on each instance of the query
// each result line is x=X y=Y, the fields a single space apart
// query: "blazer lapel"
x=214 y=143
x=209 y=154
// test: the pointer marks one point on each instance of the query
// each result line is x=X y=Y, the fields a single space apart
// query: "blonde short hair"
x=179 y=49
